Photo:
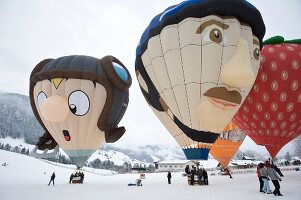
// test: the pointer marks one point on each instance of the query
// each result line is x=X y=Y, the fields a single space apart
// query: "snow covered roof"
x=174 y=162
x=295 y=158
x=210 y=163
x=243 y=162
x=248 y=158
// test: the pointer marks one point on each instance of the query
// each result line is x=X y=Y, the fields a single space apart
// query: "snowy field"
x=26 y=178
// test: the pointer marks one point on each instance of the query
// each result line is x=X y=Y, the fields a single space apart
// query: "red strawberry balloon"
x=271 y=115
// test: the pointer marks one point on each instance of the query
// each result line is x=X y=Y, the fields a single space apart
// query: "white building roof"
x=295 y=158
x=243 y=162
x=248 y=158
x=174 y=162
x=210 y=163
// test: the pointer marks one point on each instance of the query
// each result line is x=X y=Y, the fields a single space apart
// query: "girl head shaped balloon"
x=271 y=115
x=196 y=63
x=79 y=101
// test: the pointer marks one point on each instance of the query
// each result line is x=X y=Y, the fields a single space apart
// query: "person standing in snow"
x=274 y=177
x=193 y=173
x=169 y=177
x=71 y=177
x=187 y=169
x=265 y=178
x=200 y=175
x=228 y=172
x=52 y=179
x=205 y=176
x=259 y=178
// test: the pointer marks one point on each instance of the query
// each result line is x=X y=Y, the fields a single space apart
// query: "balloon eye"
x=41 y=98
x=79 y=103
x=72 y=108
x=215 y=35
x=120 y=71
x=256 y=53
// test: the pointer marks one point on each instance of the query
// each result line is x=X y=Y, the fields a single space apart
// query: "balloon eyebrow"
x=204 y=25
x=94 y=82
x=255 y=41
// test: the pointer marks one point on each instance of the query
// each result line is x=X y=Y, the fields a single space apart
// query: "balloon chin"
x=213 y=118
x=196 y=153
x=79 y=157
x=273 y=150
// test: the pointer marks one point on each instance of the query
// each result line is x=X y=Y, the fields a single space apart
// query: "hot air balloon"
x=195 y=64
x=227 y=144
x=79 y=101
x=271 y=115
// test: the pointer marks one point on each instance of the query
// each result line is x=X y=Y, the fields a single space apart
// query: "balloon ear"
x=113 y=135
x=116 y=72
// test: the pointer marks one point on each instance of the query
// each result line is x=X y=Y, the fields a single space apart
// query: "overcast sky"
x=33 y=30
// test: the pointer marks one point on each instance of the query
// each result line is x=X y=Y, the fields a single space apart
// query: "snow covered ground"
x=26 y=178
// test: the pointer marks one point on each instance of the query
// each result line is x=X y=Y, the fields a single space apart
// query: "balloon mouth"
x=222 y=103
x=222 y=97
x=66 y=135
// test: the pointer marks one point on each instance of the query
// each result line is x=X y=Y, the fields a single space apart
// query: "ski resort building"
x=179 y=165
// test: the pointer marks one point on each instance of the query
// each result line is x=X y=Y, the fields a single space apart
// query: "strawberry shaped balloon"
x=271 y=115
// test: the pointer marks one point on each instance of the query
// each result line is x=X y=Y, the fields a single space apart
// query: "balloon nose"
x=55 y=109
x=237 y=72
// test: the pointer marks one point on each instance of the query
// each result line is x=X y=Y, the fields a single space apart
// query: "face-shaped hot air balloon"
x=271 y=115
x=79 y=101
x=227 y=144
x=196 y=63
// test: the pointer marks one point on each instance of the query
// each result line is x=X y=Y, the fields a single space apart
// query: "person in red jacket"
x=260 y=179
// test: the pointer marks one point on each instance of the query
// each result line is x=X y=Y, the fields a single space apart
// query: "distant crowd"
x=196 y=175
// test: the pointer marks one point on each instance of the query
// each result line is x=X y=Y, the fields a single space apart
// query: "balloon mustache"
x=223 y=94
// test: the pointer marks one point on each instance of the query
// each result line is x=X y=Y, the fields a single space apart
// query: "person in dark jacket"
x=71 y=177
x=52 y=179
x=187 y=169
x=227 y=170
x=200 y=176
x=205 y=176
x=169 y=177
x=274 y=177
x=193 y=173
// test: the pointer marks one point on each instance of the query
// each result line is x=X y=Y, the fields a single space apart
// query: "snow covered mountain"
x=17 y=119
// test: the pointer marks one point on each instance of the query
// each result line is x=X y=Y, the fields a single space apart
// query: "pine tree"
x=7 y=147
x=16 y=149
x=23 y=151
x=288 y=156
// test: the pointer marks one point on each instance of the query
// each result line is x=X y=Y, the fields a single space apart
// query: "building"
x=179 y=165
x=248 y=158
x=243 y=164
x=173 y=165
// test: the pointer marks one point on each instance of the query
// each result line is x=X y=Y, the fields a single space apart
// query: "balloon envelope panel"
x=226 y=146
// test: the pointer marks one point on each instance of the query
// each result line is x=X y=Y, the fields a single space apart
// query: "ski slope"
x=26 y=178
